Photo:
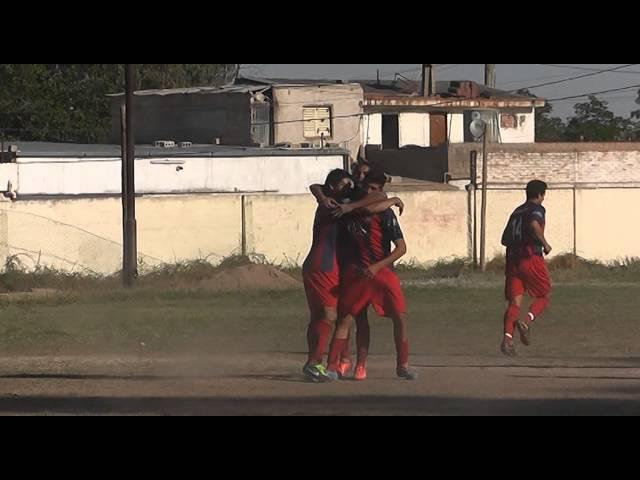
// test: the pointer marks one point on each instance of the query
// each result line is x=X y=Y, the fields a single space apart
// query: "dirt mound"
x=33 y=293
x=251 y=277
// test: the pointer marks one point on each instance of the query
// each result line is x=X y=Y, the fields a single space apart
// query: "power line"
x=591 y=74
x=633 y=72
x=616 y=97
x=418 y=69
x=571 y=97
x=545 y=77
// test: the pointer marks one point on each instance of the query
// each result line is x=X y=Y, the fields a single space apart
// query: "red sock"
x=311 y=342
x=538 y=307
x=402 y=349
x=337 y=347
x=345 y=355
x=510 y=318
x=321 y=331
x=363 y=339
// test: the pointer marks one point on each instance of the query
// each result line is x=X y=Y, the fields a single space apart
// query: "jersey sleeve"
x=538 y=214
x=391 y=226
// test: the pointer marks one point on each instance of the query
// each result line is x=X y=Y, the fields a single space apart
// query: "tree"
x=68 y=103
x=594 y=122
x=549 y=128
x=635 y=119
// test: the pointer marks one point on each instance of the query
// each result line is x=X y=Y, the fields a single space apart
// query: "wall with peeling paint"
x=85 y=234
x=518 y=126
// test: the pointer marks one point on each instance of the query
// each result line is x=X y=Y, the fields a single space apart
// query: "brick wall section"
x=554 y=163
x=505 y=167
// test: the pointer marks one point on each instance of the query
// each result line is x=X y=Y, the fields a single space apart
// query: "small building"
x=388 y=123
x=396 y=115
x=250 y=112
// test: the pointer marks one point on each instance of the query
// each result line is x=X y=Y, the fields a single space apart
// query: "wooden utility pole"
x=490 y=128
x=490 y=75
x=483 y=213
x=129 y=234
x=428 y=79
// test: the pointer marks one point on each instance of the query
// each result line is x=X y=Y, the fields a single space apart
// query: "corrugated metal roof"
x=288 y=82
x=61 y=150
x=241 y=85
x=231 y=88
x=444 y=90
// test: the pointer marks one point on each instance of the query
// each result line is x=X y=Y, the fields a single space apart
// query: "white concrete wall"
x=8 y=173
x=434 y=225
x=282 y=174
x=607 y=223
x=372 y=129
x=415 y=129
x=346 y=106
x=86 y=234
x=456 y=127
x=525 y=132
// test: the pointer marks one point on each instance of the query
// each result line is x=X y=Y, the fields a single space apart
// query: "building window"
x=317 y=122
x=390 y=132
x=261 y=124
x=507 y=120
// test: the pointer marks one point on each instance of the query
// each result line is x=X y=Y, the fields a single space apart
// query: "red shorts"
x=383 y=292
x=529 y=275
x=322 y=289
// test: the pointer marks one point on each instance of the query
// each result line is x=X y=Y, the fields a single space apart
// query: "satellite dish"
x=478 y=128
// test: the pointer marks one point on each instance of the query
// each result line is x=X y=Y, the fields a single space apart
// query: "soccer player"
x=360 y=172
x=370 y=279
x=526 y=270
x=321 y=271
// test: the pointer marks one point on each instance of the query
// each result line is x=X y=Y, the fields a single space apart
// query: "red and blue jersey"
x=323 y=256
x=519 y=237
x=370 y=239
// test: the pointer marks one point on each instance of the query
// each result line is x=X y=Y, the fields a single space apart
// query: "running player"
x=526 y=270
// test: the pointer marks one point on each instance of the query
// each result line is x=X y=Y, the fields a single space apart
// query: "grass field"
x=95 y=348
x=588 y=319
x=169 y=352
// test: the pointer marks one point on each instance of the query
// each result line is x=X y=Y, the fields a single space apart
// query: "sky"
x=509 y=77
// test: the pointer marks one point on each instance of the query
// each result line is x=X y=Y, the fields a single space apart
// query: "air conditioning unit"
x=164 y=144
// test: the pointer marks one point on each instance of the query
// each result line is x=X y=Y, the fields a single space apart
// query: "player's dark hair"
x=535 y=189
x=335 y=177
x=376 y=176
x=357 y=167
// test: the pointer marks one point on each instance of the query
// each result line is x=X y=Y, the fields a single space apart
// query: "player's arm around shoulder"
x=324 y=201
x=362 y=205
x=385 y=205
x=392 y=228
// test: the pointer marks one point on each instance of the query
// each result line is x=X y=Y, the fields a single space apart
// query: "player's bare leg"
x=511 y=317
x=401 y=337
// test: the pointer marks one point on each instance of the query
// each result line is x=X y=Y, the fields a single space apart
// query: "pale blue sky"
x=509 y=77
